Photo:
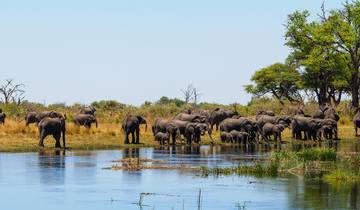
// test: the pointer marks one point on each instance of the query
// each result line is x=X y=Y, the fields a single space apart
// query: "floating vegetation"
x=137 y=164
x=258 y=169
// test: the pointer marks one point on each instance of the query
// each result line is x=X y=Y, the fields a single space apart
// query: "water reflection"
x=52 y=167
x=315 y=194
x=77 y=177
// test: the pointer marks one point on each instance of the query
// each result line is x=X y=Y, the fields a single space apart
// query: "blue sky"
x=131 y=50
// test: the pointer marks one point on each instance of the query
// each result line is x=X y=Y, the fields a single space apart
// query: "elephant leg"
x=126 y=137
x=137 y=136
x=173 y=137
x=57 y=137
x=133 y=140
x=41 y=138
x=356 y=130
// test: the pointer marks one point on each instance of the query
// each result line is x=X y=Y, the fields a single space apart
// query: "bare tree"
x=12 y=92
x=196 y=96
x=188 y=93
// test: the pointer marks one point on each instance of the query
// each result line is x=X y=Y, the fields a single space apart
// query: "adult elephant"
x=85 y=120
x=328 y=129
x=2 y=118
x=194 y=131
x=265 y=112
x=88 y=110
x=309 y=126
x=191 y=118
x=241 y=124
x=218 y=115
x=283 y=120
x=131 y=125
x=275 y=130
x=166 y=126
x=34 y=117
x=52 y=126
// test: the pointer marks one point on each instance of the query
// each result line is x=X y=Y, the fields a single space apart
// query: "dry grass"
x=16 y=137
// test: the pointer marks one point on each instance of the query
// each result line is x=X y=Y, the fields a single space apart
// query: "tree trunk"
x=355 y=89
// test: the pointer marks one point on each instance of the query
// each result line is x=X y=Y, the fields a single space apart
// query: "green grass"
x=258 y=169
x=320 y=163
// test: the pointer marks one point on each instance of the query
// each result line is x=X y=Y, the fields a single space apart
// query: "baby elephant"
x=162 y=137
x=226 y=137
x=239 y=137
x=275 y=130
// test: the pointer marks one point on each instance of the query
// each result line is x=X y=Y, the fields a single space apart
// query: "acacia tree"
x=280 y=80
x=12 y=92
x=328 y=49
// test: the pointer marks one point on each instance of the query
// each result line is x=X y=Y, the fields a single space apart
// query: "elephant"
x=131 y=125
x=86 y=120
x=265 y=112
x=308 y=125
x=356 y=121
x=218 y=115
x=34 y=117
x=241 y=124
x=319 y=114
x=299 y=111
x=226 y=137
x=166 y=126
x=330 y=113
x=191 y=118
x=275 y=130
x=239 y=137
x=52 y=126
x=263 y=119
x=194 y=131
x=2 y=118
x=326 y=112
x=328 y=123
x=88 y=110
x=162 y=137
x=326 y=131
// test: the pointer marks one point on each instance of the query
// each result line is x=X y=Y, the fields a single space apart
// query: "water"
x=77 y=180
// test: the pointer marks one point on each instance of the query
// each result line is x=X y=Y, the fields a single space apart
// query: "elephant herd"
x=51 y=123
x=190 y=126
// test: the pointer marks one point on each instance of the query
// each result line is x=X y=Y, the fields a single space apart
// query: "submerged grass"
x=322 y=163
x=258 y=169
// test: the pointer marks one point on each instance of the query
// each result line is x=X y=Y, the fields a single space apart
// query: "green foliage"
x=280 y=80
x=327 y=50
x=165 y=100
x=108 y=105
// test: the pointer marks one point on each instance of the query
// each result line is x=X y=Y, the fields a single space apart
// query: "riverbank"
x=16 y=137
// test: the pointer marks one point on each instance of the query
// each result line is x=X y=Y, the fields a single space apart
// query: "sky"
x=139 y=50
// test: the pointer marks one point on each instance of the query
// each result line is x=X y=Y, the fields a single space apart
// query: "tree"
x=280 y=80
x=188 y=93
x=12 y=92
x=334 y=37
